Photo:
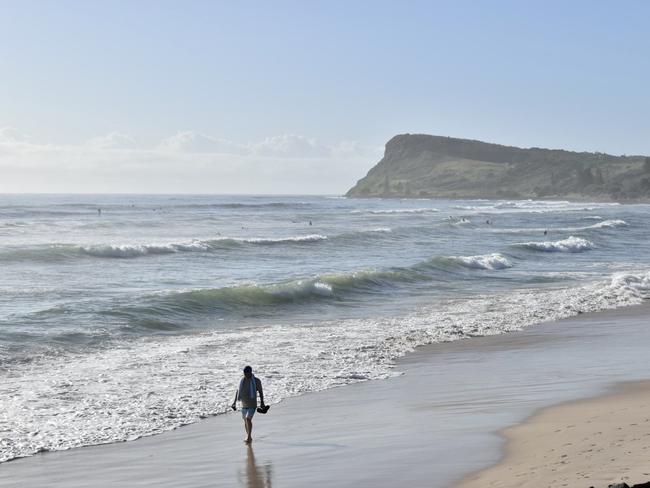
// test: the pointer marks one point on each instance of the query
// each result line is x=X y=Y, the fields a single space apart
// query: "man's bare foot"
x=248 y=441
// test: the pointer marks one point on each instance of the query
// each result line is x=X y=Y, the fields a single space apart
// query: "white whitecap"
x=608 y=224
x=397 y=211
x=278 y=240
x=570 y=244
x=142 y=378
x=492 y=261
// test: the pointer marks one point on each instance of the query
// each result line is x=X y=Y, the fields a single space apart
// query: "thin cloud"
x=185 y=163
x=113 y=140
x=291 y=146
x=11 y=135
x=353 y=149
x=284 y=146
x=195 y=142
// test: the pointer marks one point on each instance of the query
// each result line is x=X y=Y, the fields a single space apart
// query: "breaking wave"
x=131 y=250
x=135 y=250
x=166 y=310
x=280 y=240
x=237 y=205
x=396 y=211
x=158 y=385
x=122 y=251
x=492 y=261
x=333 y=285
x=531 y=206
x=605 y=224
x=570 y=244
x=177 y=310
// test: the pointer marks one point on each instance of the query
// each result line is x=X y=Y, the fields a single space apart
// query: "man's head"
x=248 y=371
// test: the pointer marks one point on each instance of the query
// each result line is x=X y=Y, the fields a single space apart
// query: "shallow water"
x=427 y=427
x=137 y=319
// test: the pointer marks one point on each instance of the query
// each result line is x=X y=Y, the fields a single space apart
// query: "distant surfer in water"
x=249 y=386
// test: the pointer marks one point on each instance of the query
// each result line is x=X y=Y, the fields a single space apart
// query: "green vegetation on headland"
x=420 y=165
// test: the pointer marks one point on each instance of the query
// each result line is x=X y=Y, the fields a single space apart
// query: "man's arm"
x=234 y=402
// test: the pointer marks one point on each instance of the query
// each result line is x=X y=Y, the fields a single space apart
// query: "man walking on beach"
x=247 y=395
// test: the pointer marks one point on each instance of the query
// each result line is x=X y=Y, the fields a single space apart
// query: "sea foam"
x=151 y=385
x=570 y=244
x=608 y=224
x=397 y=211
x=485 y=261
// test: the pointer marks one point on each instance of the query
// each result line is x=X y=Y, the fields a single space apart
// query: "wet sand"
x=431 y=426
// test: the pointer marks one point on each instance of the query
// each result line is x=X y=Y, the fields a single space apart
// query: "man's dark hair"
x=248 y=369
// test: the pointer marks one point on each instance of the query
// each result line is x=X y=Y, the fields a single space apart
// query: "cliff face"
x=420 y=165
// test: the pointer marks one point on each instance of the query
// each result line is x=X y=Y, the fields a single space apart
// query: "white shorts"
x=247 y=413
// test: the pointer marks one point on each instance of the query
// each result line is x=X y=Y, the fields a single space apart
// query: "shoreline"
x=360 y=434
x=537 y=450
x=496 y=198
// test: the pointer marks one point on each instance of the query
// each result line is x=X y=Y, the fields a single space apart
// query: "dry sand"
x=592 y=442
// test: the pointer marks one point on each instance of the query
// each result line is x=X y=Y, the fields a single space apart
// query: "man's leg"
x=244 y=416
x=249 y=429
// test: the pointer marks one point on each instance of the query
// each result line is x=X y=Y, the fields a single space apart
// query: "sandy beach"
x=432 y=425
x=417 y=233
x=592 y=442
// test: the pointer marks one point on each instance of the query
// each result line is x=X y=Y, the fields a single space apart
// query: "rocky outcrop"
x=420 y=165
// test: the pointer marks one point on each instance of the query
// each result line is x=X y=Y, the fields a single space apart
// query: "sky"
x=300 y=97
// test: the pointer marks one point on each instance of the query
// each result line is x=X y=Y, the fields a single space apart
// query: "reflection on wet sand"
x=256 y=476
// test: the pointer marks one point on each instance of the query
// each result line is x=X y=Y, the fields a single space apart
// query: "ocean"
x=128 y=315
